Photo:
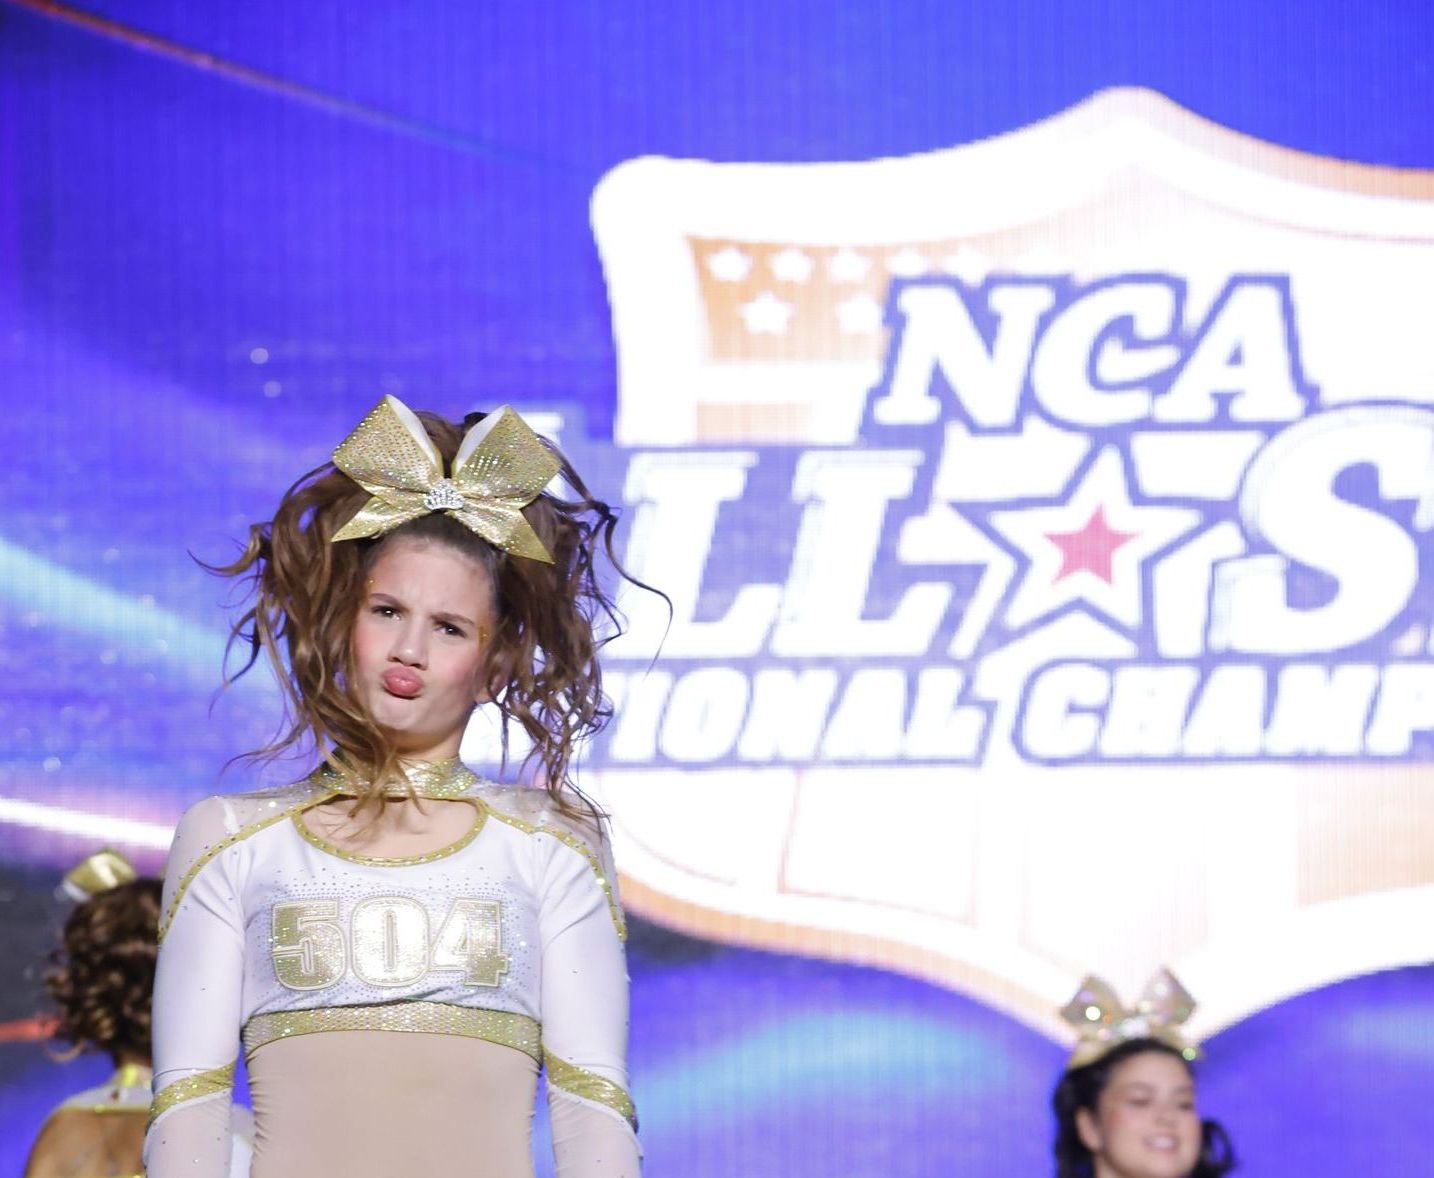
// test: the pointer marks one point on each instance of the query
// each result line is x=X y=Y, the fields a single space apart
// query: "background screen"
x=1027 y=408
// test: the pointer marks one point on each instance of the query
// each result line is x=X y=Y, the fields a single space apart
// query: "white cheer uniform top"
x=512 y=936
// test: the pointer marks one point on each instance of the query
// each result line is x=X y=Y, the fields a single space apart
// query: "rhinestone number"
x=307 y=944
x=471 y=939
x=390 y=940
x=387 y=944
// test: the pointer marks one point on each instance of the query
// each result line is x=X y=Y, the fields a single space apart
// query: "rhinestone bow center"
x=444 y=496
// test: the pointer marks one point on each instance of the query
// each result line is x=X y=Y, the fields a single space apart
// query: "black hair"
x=1080 y=1088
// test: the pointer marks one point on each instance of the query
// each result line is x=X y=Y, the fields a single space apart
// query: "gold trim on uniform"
x=397 y=860
x=570 y=1078
x=105 y=1109
x=431 y=1018
x=223 y=844
x=577 y=844
x=445 y=779
x=130 y=1077
x=209 y=1083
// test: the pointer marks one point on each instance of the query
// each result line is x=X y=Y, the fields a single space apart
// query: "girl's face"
x=418 y=645
x=1145 y=1124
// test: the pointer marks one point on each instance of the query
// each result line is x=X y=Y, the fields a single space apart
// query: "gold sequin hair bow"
x=1103 y=1023
x=99 y=873
x=501 y=466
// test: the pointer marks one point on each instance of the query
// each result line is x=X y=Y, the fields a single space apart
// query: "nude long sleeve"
x=197 y=997
x=585 y=1018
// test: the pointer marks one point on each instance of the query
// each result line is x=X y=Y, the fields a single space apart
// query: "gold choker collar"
x=449 y=778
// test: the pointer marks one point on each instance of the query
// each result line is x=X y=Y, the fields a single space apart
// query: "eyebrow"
x=441 y=615
x=445 y=616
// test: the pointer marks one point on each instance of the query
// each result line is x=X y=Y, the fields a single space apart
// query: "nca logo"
x=1246 y=563
x=998 y=492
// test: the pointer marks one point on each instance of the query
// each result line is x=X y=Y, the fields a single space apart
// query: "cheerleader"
x=399 y=945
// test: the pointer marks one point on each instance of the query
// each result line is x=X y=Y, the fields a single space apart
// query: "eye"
x=384 y=611
x=451 y=630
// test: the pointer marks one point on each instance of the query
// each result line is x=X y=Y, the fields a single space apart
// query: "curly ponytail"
x=102 y=976
x=552 y=620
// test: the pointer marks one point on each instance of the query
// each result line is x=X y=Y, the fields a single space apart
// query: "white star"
x=791 y=265
x=859 y=315
x=968 y=264
x=907 y=263
x=729 y=265
x=1100 y=507
x=766 y=314
x=848 y=266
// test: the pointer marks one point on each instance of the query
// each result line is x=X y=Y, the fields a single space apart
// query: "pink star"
x=1090 y=549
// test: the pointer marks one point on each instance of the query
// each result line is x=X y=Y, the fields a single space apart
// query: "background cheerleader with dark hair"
x=1126 y=1106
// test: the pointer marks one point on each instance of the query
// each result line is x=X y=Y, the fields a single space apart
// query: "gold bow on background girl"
x=501 y=467
x=1103 y=1022
x=97 y=873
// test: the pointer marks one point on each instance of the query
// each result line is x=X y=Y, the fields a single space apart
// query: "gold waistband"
x=431 y=1018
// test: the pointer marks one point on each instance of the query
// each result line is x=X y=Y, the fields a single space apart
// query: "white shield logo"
x=1087 y=626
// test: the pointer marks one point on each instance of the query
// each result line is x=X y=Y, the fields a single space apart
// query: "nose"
x=410 y=645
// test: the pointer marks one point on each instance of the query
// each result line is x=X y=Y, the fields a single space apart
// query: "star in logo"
x=847 y=265
x=766 y=314
x=791 y=265
x=1091 y=549
x=729 y=265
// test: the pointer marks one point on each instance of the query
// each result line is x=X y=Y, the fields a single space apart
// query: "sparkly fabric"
x=501 y=467
x=395 y=860
x=277 y=936
x=589 y=1086
x=431 y=1018
x=449 y=778
x=98 y=873
x=195 y=1087
x=1103 y=1022
x=127 y=1091
x=445 y=496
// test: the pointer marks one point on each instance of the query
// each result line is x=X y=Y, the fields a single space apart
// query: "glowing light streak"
x=243 y=75
x=69 y=601
x=85 y=824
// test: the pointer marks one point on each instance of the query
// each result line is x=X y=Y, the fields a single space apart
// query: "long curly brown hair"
x=542 y=659
x=101 y=977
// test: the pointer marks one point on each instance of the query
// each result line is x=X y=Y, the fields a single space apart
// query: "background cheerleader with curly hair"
x=399 y=945
x=101 y=981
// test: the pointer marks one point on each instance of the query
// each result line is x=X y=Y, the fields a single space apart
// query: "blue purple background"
x=209 y=270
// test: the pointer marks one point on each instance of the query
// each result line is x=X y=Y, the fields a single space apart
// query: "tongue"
x=401 y=682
